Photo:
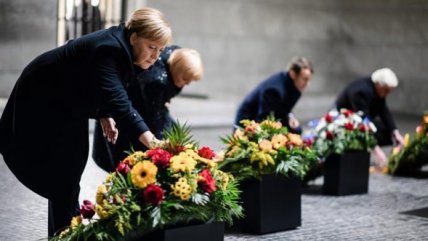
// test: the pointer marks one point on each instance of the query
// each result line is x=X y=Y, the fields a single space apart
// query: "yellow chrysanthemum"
x=143 y=174
x=135 y=157
x=262 y=158
x=279 y=141
x=295 y=139
x=191 y=153
x=100 y=194
x=265 y=145
x=101 y=212
x=182 y=189
x=272 y=124
x=182 y=162
x=224 y=178
x=76 y=221
x=110 y=177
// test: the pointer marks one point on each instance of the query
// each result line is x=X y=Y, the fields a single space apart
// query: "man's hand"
x=292 y=121
x=398 y=138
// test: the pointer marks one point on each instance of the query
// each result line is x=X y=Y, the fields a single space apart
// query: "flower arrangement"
x=409 y=158
x=340 y=131
x=265 y=148
x=172 y=184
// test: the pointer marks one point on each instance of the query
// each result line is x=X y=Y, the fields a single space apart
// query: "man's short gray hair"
x=385 y=77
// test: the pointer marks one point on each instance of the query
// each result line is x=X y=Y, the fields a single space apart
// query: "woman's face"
x=145 y=51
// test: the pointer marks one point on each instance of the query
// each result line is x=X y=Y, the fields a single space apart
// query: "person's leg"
x=62 y=209
x=72 y=146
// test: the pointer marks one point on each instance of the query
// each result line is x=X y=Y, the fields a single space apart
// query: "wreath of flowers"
x=173 y=184
x=340 y=131
x=409 y=158
x=265 y=148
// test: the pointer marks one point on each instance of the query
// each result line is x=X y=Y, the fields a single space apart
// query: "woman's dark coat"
x=44 y=126
x=154 y=88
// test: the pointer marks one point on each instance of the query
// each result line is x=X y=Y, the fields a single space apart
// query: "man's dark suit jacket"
x=360 y=95
x=276 y=95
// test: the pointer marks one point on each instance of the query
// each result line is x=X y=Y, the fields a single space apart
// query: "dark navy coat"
x=276 y=95
x=360 y=95
x=44 y=126
x=149 y=94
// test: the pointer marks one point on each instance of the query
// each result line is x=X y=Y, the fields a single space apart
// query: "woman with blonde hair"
x=44 y=126
x=155 y=87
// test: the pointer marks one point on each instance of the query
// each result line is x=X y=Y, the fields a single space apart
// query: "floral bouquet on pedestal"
x=336 y=133
x=409 y=158
x=265 y=148
x=344 y=130
x=173 y=184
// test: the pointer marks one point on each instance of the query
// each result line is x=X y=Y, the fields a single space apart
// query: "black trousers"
x=62 y=209
x=383 y=135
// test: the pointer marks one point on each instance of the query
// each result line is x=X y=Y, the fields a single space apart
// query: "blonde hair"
x=187 y=61
x=385 y=77
x=151 y=24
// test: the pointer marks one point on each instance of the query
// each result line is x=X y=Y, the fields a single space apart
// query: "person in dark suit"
x=175 y=68
x=277 y=95
x=368 y=95
x=44 y=126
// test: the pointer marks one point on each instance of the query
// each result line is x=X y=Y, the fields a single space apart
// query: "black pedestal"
x=346 y=174
x=271 y=204
x=205 y=232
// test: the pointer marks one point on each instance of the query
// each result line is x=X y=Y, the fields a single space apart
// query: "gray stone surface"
x=375 y=216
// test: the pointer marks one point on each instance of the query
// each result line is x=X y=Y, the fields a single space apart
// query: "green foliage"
x=178 y=136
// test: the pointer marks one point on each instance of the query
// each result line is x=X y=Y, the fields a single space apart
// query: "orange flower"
x=265 y=145
x=278 y=141
x=295 y=139
x=426 y=119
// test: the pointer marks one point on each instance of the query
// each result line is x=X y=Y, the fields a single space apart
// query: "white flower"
x=372 y=126
x=320 y=125
x=357 y=118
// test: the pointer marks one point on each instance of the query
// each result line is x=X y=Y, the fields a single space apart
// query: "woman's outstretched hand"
x=109 y=129
x=149 y=140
